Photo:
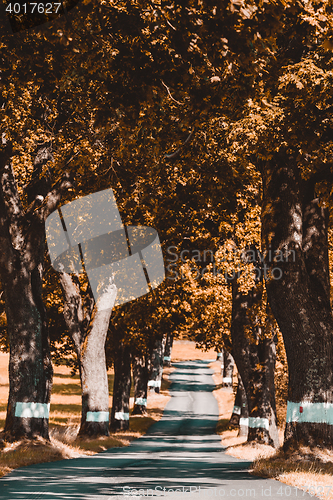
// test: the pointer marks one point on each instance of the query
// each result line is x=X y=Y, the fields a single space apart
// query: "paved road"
x=180 y=458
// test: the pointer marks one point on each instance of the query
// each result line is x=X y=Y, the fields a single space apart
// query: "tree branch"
x=174 y=155
x=170 y=95
x=73 y=310
x=53 y=198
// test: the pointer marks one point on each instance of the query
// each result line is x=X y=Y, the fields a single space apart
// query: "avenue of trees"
x=212 y=124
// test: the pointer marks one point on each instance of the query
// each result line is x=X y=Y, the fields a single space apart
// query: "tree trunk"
x=30 y=368
x=220 y=356
x=240 y=414
x=167 y=350
x=294 y=236
x=244 y=415
x=255 y=359
x=121 y=388
x=22 y=245
x=156 y=370
x=94 y=377
x=88 y=328
x=228 y=369
x=140 y=379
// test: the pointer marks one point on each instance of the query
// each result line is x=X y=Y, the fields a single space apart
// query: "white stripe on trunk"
x=310 y=412
x=119 y=415
x=154 y=383
x=32 y=410
x=97 y=416
x=141 y=401
x=259 y=423
x=237 y=410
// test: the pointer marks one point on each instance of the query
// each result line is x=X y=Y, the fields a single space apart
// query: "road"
x=181 y=457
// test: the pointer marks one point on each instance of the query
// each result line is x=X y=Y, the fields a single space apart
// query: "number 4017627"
x=316 y=490
x=31 y=8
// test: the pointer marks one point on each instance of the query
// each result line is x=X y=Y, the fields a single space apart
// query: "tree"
x=121 y=387
x=240 y=414
x=88 y=327
x=168 y=350
x=307 y=330
x=255 y=356
x=228 y=369
x=140 y=382
x=286 y=132
x=21 y=268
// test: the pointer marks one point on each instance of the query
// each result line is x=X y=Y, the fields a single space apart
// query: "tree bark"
x=94 y=378
x=22 y=245
x=167 y=350
x=88 y=327
x=244 y=416
x=140 y=379
x=255 y=358
x=240 y=413
x=219 y=356
x=30 y=368
x=156 y=364
x=294 y=237
x=228 y=369
x=121 y=388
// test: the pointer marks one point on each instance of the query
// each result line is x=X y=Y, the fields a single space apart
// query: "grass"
x=310 y=470
x=23 y=453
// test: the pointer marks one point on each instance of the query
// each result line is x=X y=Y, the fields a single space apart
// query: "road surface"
x=181 y=457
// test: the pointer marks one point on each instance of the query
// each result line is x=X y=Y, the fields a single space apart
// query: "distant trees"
x=228 y=369
x=240 y=413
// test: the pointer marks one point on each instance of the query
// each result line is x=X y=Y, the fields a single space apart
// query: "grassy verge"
x=311 y=470
x=308 y=469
